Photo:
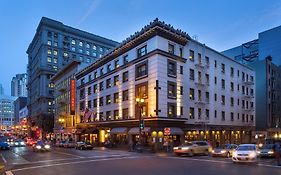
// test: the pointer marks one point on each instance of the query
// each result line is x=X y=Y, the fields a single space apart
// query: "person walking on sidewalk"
x=277 y=152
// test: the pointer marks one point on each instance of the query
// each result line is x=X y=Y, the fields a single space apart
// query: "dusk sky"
x=217 y=23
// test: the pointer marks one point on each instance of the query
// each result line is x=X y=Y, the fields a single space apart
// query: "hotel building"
x=189 y=91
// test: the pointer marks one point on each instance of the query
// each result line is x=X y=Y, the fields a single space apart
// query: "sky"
x=220 y=24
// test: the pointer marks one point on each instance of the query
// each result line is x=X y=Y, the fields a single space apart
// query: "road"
x=60 y=161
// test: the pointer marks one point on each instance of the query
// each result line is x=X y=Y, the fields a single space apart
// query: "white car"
x=245 y=153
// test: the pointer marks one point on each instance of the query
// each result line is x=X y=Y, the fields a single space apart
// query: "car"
x=225 y=150
x=4 y=145
x=192 y=148
x=245 y=153
x=11 y=141
x=266 y=151
x=69 y=144
x=84 y=146
x=19 y=143
x=30 y=142
x=40 y=146
x=60 y=143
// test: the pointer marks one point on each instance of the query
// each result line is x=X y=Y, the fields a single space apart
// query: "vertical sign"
x=72 y=96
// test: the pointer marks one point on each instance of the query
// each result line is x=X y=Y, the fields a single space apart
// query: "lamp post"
x=140 y=102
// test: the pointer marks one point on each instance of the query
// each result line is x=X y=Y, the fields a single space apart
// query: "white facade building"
x=193 y=90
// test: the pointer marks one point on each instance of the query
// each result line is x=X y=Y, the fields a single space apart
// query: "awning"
x=136 y=130
x=121 y=130
x=176 y=131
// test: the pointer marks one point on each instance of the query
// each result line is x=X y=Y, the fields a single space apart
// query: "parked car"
x=30 y=142
x=193 y=148
x=41 y=146
x=225 y=150
x=84 y=146
x=69 y=144
x=266 y=150
x=4 y=145
x=245 y=153
x=60 y=143
x=19 y=142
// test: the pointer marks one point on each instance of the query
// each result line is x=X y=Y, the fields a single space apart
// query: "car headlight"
x=38 y=147
x=16 y=143
x=234 y=154
x=184 y=148
x=270 y=152
x=22 y=143
x=47 y=147
x=175 y=148
x=252 y=155
x=213 y=151
x=258 y=152
x=223 y=151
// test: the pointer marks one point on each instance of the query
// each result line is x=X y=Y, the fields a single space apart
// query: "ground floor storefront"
x=158 y=134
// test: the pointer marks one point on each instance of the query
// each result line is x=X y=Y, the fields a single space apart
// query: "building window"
x=181 y=52
x=181 y=110
x=171 y=48
x=49 y=59
x=82 y=94
x=49 y=42
x=215 y=63
x=172 y=89
x=116 y=115
x=88 y=45
x=94 y=54
x=222 y=115
x=108 y=115
x=231 y=86
x=171 y=110
x=231 y=101
x=82 y=105
x=191 y=94
x=222 y=83
x=223 y=100
x=116 y=97
x=142 y=90
x=191 y=74
x=232 y=71
x=116 y=63
x=142 y=51
x=95 y=74
x=207 y=97
x=191 y=113
x=191 y=55
x=55 y=52
x=181 y=69
x=73 y=42
x=80 y=43
x=101 y=101
x=89 y=90
x=108 y=99
x=215 y=114
x=141 y=69
x=49 y=51
x=101 y=71
x=101 y=86
x=95 y=88
x=199 y=58
x=172 y=68
x=125 y=95
x=199 y=113
x=207 y=114
x=207 y=60
x=94 y=47
x=101 y=49
x=215 y=97
x=108 y=67
x=125 y=59
x=108 y=83
x=125 y=76
x=222 y=68
x=181 y=90
x=207 y=79
x=232 y=116
x=116 y=80
x=56 y=44
x=95 y=103
x=125 y=113
x=89 y=104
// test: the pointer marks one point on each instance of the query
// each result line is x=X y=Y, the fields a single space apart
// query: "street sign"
x=167 y=131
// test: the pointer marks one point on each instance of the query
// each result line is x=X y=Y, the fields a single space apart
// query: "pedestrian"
x=277 y=151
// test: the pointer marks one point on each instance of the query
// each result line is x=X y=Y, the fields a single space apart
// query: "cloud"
x=91 y=9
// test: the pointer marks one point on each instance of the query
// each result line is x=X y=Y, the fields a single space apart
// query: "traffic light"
x=142 y=124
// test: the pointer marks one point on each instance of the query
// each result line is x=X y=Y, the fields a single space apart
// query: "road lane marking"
x=57 y=160
x=9 y=173
x=218 y=161
x=77 y=162
x=3 y=158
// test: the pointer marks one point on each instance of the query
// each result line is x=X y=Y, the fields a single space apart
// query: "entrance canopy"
x=136 y=130
x=176 y=131
x=121 y=130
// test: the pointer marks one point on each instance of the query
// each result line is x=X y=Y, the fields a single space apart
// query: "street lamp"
x=140 y=102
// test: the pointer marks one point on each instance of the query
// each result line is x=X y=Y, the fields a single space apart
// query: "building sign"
x=72 y=96
x=167 y=131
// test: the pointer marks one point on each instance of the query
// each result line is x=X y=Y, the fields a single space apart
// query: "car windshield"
x=267 y=146
x=224 y=147
x=246 y=148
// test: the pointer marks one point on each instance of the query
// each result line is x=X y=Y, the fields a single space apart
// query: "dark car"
x=41 y=146
x=19 y=143
x=84 y=146
x=224 y=150
x=266 y=150
x=4 y=145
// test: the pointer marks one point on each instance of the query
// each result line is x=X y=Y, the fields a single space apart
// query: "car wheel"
x=228 y=155
x=191 y=153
